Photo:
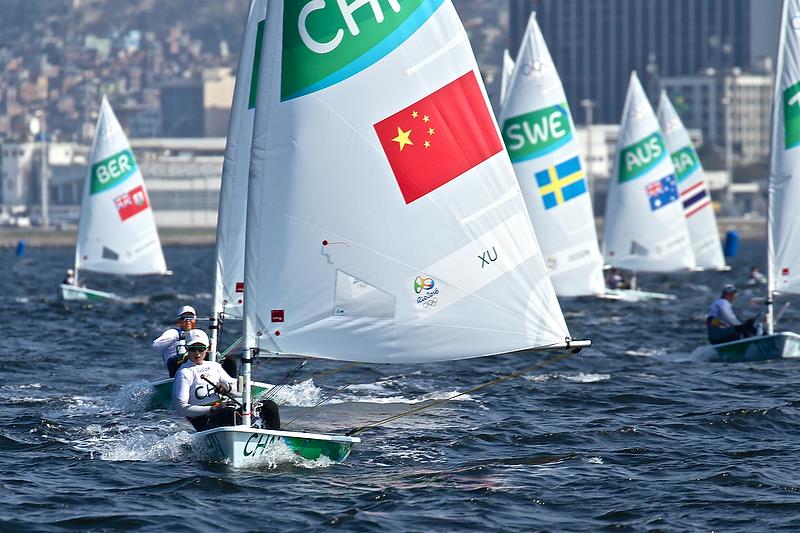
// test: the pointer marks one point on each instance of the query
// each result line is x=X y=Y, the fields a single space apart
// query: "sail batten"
x=539 y=134
x=644 y=228
x=379 y=218
x=117 y=232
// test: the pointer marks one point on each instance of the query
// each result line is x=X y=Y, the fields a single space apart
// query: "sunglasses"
x=190 y=317
x=197 y=349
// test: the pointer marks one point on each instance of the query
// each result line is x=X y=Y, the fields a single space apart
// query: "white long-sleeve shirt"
x=167 y=344
x=722 y=310
x=191 y=394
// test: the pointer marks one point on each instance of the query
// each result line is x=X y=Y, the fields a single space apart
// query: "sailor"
x=69 y=278
x=170 y=343
x=722 y=324
x=756 y=277
x=200 y=386
x=615 y=280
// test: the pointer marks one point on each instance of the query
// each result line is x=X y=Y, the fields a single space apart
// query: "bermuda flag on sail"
x=695 y=198
x=130 y=203
x=662 y=192
x=439 y=137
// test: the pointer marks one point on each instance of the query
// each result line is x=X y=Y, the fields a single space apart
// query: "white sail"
x=539 y=134
x=644 y=228
x=229 y=273
x=784 y=176
x=693 y=188
x=505 y=75
x=384 y=220
x=117 y=232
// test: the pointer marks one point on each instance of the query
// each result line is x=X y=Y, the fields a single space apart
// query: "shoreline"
x=748 y=228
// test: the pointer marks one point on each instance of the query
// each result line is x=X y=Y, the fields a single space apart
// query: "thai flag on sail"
x=662 y=192
x=695 y=198
x=130 y=203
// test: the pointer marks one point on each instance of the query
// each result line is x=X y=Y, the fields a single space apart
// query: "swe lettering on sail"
x=537 y=133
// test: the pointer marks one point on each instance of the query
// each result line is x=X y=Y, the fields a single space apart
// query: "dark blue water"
x=636 y=433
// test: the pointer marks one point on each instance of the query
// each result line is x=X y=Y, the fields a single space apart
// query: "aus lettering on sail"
x=639 y=158
x=536 y=133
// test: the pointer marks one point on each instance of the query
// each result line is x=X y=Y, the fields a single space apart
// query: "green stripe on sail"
x=791 y=116
x=685 y=162
x=638 y=159
x=326 y=42
x=112 y=171
x=251 y=103
x=537 y=133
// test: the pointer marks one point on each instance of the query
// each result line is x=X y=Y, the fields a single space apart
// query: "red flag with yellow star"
x=439 y=137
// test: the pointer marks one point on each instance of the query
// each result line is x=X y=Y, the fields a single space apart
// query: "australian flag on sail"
x=662 y=192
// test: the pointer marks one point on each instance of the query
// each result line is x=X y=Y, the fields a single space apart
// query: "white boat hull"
x=243 y=447
x=783 y=345
x=73 y=293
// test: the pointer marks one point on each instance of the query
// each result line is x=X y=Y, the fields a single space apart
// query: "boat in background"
x=538 y=132
x=693 y=188
x=645 y=229
x=783 y=224
x=117 y=231
x=505 y=76
x=388 y=229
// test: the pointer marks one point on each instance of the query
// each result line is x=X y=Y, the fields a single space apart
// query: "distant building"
x=731 y=108
x=182 y=112
x=596 y=44
x=218 y=87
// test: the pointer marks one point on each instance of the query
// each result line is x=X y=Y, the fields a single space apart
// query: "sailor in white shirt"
x=199 y=385
x=170 y=344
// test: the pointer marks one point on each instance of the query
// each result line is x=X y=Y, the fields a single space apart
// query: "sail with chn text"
x=695 y=196
x=644 y=227
x=384 y=220
x=539 y=134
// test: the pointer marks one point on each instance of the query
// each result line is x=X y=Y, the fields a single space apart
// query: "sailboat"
x=229 y=265
x=384 y=220
x=538 y=132
x=505 y=76
x=783 y=248
x=117 y=231
x=645 y=229
x=693 y=189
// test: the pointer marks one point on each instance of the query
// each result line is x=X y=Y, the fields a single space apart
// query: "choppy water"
x=636 y=433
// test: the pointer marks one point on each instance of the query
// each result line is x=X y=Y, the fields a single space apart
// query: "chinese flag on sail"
x=438 y=138
x=130 y=203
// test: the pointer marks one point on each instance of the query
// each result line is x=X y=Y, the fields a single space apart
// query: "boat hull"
x=783 y=345
x=73 y=293
x=161 y=397
x=242 y=447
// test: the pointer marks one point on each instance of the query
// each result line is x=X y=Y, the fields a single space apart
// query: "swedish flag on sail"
x=561 y=183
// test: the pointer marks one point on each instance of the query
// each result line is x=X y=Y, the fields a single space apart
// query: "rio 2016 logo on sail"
x=429 y=299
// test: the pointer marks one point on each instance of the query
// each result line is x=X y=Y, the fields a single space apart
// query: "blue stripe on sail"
x=378 y=52
x=568 y=167
x=694 y=199
x=542 y=178
x=574 y=189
